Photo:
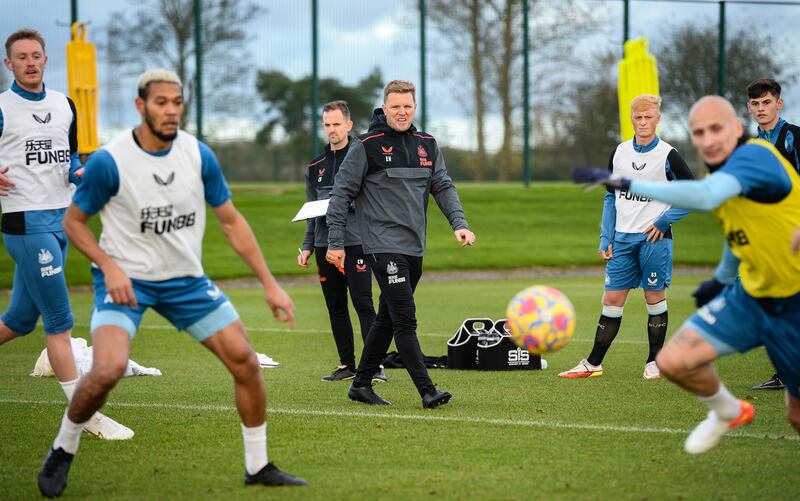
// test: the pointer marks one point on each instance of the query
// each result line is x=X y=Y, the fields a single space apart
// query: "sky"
x=357 y=35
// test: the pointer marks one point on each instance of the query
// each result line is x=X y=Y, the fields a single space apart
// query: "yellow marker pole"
x=82 y=85
x=638 y=74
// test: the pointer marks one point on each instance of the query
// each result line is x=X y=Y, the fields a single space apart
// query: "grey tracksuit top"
x=390 y=174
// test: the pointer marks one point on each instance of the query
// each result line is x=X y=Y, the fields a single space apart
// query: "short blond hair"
x=157 y=75
x=645 y=101
x=400 y=87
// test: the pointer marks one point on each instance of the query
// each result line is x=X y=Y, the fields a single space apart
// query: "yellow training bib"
x=759 y=234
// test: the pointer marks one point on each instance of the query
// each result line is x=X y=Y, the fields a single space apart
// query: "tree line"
x=479 y=52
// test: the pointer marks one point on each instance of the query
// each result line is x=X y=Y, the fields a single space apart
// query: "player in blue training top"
x=38 y=163
x=764 y=102
x=636 y=238
x=150 y=186
x=755 y=194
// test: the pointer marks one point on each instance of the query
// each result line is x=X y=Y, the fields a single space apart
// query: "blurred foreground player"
x=150 y=186
x=755 y=194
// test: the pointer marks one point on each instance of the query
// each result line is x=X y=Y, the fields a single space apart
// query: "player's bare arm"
x=241 y=238
x=796 y=241
x=81 y=237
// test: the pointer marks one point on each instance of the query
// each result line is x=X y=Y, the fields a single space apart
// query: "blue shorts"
x=736 y=321
x=39 y=284
x=640 y=264
x=193 y=304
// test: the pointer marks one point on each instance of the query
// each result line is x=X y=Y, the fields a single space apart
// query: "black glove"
x=592 y=176
x=707 y=291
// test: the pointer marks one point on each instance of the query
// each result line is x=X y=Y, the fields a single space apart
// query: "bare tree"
x=464 y=24
x=492 y=30
x=554 y=29
x=162 y=32
x=688 y=65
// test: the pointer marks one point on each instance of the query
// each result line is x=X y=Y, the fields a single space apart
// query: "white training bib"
x=154 y=226
x=634 y=212
x=35 y=145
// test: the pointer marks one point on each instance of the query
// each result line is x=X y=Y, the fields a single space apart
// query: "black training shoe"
x=435 y=398
x=342 y=373
x=774 y=383
x=366 y=395
x=379 y=376
x=53 y=475
x=271 y=475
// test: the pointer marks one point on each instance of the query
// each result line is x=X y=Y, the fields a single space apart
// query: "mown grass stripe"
x=412 y=417
x=328 y=332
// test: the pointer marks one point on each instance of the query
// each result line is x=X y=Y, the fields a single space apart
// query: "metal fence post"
x=314 y=80
x=422 y=67
x=626 y=23
x=526 y=96
x=198 y=63
x=721 y=51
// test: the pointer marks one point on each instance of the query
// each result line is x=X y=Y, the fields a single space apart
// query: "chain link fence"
x=258 y=66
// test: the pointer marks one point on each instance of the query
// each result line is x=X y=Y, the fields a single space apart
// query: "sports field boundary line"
x=445 y=275
x=412 y=417
x=327 y=331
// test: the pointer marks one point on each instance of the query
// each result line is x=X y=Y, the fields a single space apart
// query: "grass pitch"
x=549 y=224
x=516 y=435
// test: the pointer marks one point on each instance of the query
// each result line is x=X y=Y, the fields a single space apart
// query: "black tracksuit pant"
x=397 y=276
x=334 y=287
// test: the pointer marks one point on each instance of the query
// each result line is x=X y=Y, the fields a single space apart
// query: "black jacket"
x=319 y=183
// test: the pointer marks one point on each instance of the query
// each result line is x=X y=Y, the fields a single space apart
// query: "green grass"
x=517 y=435
x=549 y=224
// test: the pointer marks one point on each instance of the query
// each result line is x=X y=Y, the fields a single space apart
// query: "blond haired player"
x=636 y=238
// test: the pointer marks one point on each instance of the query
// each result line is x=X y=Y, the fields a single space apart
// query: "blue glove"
x=593 y=176
x=707 y=291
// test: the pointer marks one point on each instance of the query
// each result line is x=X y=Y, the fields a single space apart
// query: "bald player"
x=755 y=194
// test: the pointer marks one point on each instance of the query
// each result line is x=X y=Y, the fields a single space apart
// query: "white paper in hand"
x=316 y=208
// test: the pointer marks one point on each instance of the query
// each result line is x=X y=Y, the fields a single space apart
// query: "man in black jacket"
x=390 y=172
x=355 y=274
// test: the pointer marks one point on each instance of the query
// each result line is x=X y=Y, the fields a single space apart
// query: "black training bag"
x=497 y=352
x=483 y=344
x=462 y=348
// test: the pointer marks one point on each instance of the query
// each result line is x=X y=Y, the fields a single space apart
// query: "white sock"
x=255 y=448
x=723 y=403
x=69 y=435
x=69 y=388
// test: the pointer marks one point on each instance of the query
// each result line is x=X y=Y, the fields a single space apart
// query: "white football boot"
x=266 y=362
x=107 y=429
x=708 y=433
x=651 y=371
x=583 y=370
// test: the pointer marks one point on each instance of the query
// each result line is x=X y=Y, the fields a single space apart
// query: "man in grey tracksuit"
x=390 y=171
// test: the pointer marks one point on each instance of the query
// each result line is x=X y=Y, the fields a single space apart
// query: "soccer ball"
x=540 y=319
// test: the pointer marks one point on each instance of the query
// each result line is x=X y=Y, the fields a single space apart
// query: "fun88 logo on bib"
x=41 y=151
